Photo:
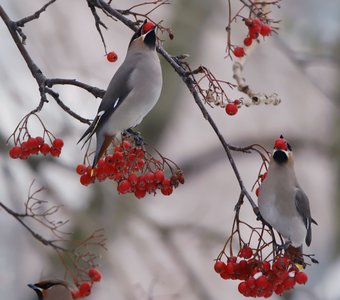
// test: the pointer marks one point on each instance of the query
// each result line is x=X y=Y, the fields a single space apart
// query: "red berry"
x=159 y=176
x=126 y=145
x=301 y=277
x=55 y=151
x=239 y=52
x=40 y=140
x=253 y=32
x=231 y=109
x=123 y=187
x=133 y=179
x=140 y=193
x=246 y=252
x=15 y=152
x=117 y=157
x=95 y=275
x=280 y=143
x=265 y=30
x=219 y=266
x=242 y=287
x=257 y=22
x=263 y=176
x=85 y=289
x=289 y=283
x=232 y=259
x=166 y=187
x=262 y=282
x=75 y=294
x=248 y=41
x=81 y=169
x=32 y=143
x=58 y=143
x=251 y=282
x=24 y=146
x=230 y=267
x=85 y=179
x=279 y=289
x=265 y=266
x=257 y=192
x=148 y=26
x=45 y=149
x=112 y=56
x=149 y=177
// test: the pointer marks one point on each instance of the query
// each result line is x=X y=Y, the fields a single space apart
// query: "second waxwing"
x=132 y=93
x=282 y=202
x=52 y=290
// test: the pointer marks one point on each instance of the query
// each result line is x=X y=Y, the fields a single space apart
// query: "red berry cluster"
x=36 y=145
x=260 y=278
x=255 y=28
x=84 y=288
x=134 y=169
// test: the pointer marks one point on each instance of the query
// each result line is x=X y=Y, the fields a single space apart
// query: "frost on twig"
x=255 y=98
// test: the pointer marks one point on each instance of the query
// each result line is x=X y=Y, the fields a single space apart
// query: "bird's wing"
x=116 y=92
x=302 y=206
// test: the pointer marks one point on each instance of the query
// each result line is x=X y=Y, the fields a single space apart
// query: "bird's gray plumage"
x=302 y=206
x=282 y=202
x=132 y=92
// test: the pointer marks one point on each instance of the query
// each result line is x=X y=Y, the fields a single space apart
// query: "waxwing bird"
x=282 y=202
x=132 y=93
x=52 y=290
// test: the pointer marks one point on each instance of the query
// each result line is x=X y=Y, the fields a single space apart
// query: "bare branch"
x=36 y=15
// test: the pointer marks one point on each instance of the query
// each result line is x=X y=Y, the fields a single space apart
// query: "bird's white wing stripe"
x=100 y=113
x=116 y=102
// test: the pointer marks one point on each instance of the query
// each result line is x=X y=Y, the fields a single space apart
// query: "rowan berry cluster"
x=36 y=145
x=134 y=169
x=260 y=278
x=255 y=28
x=85 y=288
x=26 y=145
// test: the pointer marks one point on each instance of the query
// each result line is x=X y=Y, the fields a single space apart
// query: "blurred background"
x=160 y=247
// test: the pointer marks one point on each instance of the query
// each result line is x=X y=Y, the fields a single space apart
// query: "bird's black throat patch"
x=150 y=39
x=280 y=157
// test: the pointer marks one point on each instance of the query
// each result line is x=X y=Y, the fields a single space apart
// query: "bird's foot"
x=283 y=246
x=137 y=137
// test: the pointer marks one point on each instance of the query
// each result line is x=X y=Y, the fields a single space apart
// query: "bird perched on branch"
x=132 y=93
x=52 y=290
x=282 y=202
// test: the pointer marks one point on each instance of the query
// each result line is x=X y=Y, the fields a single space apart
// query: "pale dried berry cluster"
x=255 y=28
x=85 y=288
x=134 y=170
x=260 y=278
x=36 y=145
